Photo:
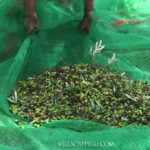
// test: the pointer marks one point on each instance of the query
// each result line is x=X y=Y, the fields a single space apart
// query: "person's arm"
x=88 y=5
x=88 y=13
x=30 y=6
x=31 y=21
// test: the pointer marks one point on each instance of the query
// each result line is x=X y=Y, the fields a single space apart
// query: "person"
x=32 y=21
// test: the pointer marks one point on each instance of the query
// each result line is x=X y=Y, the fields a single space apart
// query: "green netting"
x=60 y=42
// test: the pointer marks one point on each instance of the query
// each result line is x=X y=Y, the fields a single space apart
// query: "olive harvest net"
x=124 y=28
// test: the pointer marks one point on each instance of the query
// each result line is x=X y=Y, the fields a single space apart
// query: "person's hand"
x=86 y=24
x=32 y=22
